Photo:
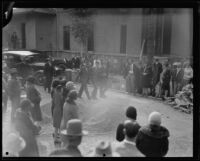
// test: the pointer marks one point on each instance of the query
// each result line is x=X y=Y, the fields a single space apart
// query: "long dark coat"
x=147 y=76
x=34 y=96
x=58 y=109
x=27 y=130
x=157 y=69
x=165 y=77
x=153 y=142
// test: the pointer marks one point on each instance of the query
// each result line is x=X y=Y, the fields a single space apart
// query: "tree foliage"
x=81 y=24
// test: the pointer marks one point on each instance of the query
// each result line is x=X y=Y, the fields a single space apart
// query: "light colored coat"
x=70 y=111
x=127 y=149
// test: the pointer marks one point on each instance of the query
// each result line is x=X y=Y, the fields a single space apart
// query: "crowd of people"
x=132 y=139
x=151 y=78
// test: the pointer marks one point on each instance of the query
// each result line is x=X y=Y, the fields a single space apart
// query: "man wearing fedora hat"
x=71 y=138
x=152 y=139
x=14 y=92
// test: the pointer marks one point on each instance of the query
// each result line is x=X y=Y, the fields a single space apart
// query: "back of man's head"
x=131 y=129
x=131 y=113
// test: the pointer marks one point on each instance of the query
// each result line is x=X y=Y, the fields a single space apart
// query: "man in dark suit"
x=73 y=60
x=68 y=63
x=48 y=73
x=84 y=78
x=157 y=70
x=77 y=62
x=178 y=78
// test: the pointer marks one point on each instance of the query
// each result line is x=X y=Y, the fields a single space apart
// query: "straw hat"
x=74 y=128
x=103 y=149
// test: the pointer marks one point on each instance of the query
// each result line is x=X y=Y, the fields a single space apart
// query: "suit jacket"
x=127 y=149
x=157 y=69
x=179 y=76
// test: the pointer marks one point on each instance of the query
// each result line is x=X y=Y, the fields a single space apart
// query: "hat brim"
x=64 y=132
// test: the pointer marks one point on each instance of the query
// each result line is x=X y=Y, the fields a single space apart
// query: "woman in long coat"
x=147 y=78
x=27 y=129
x=34 y=96
x=70 y=109
x=57 y=110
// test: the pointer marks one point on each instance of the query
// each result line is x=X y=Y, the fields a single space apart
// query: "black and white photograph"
x=97 y=82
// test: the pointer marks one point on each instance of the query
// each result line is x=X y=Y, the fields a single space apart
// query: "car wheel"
x=39 y=79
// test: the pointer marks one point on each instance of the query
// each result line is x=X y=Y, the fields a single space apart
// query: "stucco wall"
x=15 y=26
x=182 y=33
x=45 y=32
x=107 y=32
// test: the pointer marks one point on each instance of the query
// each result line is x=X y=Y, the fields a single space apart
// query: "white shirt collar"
x=129 y=142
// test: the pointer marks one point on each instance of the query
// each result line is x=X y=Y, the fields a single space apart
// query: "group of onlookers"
x=132 y=140
x=156 y=79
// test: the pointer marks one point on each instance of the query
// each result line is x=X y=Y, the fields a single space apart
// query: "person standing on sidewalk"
x=14 y=92
x=34 y=96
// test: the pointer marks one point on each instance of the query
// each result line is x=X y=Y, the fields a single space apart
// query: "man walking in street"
x=84 y=78
x=48 y=73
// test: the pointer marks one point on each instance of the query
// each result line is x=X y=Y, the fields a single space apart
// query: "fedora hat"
x=104 y=149
x=74 y=128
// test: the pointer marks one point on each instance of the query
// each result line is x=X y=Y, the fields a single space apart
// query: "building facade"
x=117 y=32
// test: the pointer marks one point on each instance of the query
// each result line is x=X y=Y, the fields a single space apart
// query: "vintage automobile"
x=36 y=60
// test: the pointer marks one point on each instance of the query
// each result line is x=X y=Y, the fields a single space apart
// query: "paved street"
x=101 y=117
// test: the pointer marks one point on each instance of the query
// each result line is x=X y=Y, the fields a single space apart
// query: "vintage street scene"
x=97 y=82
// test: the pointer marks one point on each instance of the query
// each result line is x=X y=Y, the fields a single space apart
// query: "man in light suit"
x=127 y=148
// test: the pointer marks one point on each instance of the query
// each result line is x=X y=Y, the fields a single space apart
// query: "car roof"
x=20 y=53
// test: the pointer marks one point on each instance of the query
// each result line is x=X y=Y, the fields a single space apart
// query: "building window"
x=167 y=29
x=66 y=37
x=90 y=44
x=23 y=32
x=123 y=34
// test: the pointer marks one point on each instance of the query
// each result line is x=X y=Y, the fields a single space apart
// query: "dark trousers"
x=84 y=88
x=47 y=84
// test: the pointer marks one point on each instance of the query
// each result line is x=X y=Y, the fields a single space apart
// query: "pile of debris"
x=183 y=100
